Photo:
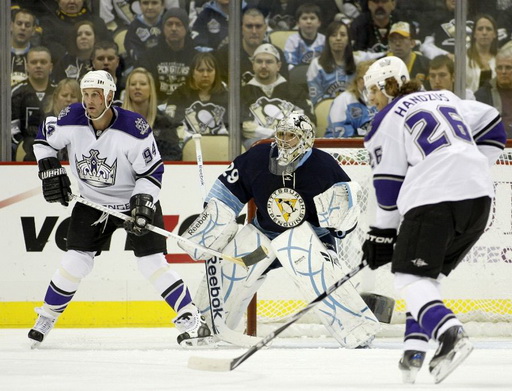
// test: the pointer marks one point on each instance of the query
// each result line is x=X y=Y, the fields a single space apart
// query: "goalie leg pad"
x=313 y=269
x=213 y=228
x=237 y=285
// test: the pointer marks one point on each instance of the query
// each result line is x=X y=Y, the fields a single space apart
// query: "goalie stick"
x=245 y=261
x=226 y=364
x=215 y=298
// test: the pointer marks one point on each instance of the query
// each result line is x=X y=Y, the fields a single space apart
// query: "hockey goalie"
x=305 y=202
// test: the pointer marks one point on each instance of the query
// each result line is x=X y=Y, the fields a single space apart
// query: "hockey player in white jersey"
x=113 y=155
x=431 y=154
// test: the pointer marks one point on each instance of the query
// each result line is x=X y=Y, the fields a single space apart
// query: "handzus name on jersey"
x=405 y=104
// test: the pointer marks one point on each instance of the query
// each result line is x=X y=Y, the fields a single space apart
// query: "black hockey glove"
x=143 y=211
x=378 y=246
x=56 y=184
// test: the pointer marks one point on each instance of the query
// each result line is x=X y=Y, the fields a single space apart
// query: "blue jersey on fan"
x=282 y=201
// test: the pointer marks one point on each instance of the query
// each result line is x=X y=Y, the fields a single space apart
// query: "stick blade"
x=257 y=255
x=210 y=364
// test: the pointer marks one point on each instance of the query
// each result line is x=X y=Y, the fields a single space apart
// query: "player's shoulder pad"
x=132 y=123
x=73 y=114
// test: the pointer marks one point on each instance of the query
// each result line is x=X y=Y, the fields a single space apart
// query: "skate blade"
x=199 y=343
x=35 y=344
x=460 y=352
x=409 y=375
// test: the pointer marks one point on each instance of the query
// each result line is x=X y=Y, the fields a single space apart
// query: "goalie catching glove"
x=214 y=228
x=378 y=246
x=142 y=209
x=56 y=184
x=338 y=207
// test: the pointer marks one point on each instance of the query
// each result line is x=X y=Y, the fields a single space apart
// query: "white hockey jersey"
x=430 y=147
x=111 y=165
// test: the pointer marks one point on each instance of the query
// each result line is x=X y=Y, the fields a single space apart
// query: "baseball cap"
x=402 y=28
x=266 y=48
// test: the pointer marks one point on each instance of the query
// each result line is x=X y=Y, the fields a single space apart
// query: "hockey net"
x=478 y=291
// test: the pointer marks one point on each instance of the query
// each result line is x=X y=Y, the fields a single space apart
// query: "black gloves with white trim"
x=142 y=210
x=378 y=246
x=56 y=184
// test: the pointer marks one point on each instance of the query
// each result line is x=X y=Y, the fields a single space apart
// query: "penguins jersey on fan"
x=430 y=147
x=282 y=201
x=110 y=165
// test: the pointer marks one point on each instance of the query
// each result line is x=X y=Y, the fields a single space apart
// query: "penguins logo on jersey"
x=94 y=170
x=205 y=118
x=267 y=112
x=286 y=207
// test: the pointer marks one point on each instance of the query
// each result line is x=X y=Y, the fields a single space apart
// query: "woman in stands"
x=200 y=104
x=141 y=98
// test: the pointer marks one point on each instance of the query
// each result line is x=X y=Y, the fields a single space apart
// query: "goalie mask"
x=101 y=80
x=385 y=68
x=294 y=137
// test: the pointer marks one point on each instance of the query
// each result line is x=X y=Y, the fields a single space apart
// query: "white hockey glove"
x=338 y=207
x=214 y=228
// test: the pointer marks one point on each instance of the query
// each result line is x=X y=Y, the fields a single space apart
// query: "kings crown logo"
x=95 y=171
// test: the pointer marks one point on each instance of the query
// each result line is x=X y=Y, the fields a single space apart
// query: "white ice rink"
x=149 y=359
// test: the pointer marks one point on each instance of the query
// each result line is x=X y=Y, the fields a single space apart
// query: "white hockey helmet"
x=385 y=68
x=99 y=79
x=295 y=126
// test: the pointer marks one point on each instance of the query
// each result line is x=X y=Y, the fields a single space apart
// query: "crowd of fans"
x=169 y=59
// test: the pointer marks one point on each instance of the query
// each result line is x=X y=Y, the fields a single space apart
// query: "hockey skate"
x=193 y=329
x=43 y=326
x=454 y=347
x=410 y=364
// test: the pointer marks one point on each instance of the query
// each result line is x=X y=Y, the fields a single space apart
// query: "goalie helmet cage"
x=478 y=291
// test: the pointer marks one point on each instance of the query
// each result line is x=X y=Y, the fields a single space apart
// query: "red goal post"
x=478 y=291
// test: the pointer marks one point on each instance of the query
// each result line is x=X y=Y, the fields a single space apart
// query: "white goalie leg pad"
x=338 y=207
x=213 y=228
x=238 y=284
x=344 y=313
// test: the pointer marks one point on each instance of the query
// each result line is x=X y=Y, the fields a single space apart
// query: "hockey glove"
x=378 y=246
x=143 y=211
x=56 y=184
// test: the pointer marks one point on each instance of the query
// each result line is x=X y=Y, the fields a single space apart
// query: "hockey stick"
x=213 y=280
x=247 y=260
x=227 y=364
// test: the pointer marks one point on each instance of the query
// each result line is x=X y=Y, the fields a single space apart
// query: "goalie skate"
x=454 y=348
x=44 y=324
x=194 y=331
x=410 y=364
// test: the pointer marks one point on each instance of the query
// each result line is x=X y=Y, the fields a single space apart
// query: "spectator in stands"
x=200 y=104
x=77 y=61
x=105 y=56
x=350 y=112
x=330 y=74
x=498 y=91
x=370 y=29
x=145 y=30
x=401 y=43
x=441 y=75
x=210 y=30
x=440 y=35
x=66 y=91
x=58 y=26
x=23 y=27
x=116 y=14
x=141 y=98
x=279 y=14
x=254 y=31
x=169 y=61
x=268 y=97
x=307 y=43
x=28 y=100
x=481 y=54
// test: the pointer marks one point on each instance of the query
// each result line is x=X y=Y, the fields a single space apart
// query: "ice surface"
x=149 y=359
